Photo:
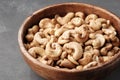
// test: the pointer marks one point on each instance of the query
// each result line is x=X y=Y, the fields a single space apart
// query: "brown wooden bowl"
x=51 y=73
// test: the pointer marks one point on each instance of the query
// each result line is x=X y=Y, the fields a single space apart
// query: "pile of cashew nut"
x=74 y=41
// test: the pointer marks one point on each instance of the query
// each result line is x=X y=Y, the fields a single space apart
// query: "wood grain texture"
x=51 y=73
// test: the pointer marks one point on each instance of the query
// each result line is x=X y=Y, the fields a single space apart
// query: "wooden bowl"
x=51 y=73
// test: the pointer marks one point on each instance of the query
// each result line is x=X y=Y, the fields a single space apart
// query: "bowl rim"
x=25 y=53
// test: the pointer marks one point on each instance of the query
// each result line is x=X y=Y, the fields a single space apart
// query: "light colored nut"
x=91 y=64
x=46 y=23
x=105 y=49
x=34 y=51
x=29 y=37
x=39 y=37
x=78 y=50
x=35 y=29
x=79 y=67
x=80 y=14
x=60 y=31
x=65 y=37
x=70 y=58
x=53 y=50
x=99 y=41
x=77 y=21
x=87 y=57
x=82 y=34
x=67 y=64
x=90 y=17
x=63 y=55
x=109 y=30
x=106 y=58
x=65 y=19
x=48 y=32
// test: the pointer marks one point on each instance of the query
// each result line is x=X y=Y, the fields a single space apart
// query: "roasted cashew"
x=99 y=41
x=91 y=64
x=65 y=37
x=105 y=49
x=80 y=14
x=70 y=58
x=45 y=60
x=109 y=30
x=60 y=31
x=48 y=32
x=78 y=50
x=63 y=55
x=115 y=40
x=46 y=23
x=34 y=51
x=87 y=57
x=97 y=24
x=40 y=38
x=90 y=17
x=65 y=19
x=79 y=67
x=113 y=51
x=82 y=33
x=53 y=50
x=77 y=21
x=29 y=37
x=67 y=64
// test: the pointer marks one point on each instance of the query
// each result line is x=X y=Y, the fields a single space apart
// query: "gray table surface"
x=12 y=14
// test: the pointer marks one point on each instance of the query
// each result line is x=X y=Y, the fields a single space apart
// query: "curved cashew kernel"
x=106 y=58
x=46 y=23
x=89 y=42
x=53 y=50
x=65 y=19
x=91 y=64
x=88 y=48
x=36 y=50
x=105 y=49
x=90 y=17
x=29 y=37
x=80 y=14
x=70 y=58
x=79 y=67
x=64 y=38
x=87 y=57
x=78 y=51
x=99 y=41
x=77 y=21
x=67 y=64
x=82 y=33
x=48 y=32
x=109 y=30
x=35 y=29
x=60 y=31
x=63 y=55
x=42 y=60
x=69 y=25
x=39 y=38
x=113 y=51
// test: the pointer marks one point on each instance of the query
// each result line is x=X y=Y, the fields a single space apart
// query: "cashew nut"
x=80 y=14
x=70 y=58
x=77 y=21
x=78 y=50
x=90 y=17
x=99 y=41
x=91 y=64
x=40 y=38
x=53 y=50
x=46 y=23
x=34 y=51
x=66 y=63
x=64 y=38
x=87 y=57
x=82 y=34
x=65 y=19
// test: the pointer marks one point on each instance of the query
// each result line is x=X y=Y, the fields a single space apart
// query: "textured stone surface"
x=12 y=14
